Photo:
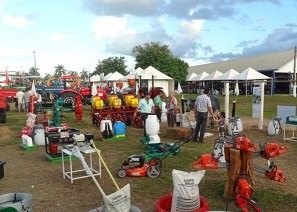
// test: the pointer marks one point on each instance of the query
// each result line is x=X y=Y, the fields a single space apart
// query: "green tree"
x=72 y=73
x=47 y=77
x=84 y=75
x=160 y=57
x=34 y=72
x=110 y=65
x=59 y=70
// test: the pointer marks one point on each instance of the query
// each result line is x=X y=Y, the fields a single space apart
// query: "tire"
x=122 y=173
x=153 y=171
x=69 y=98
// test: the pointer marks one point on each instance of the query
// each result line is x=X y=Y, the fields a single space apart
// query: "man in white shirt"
x=202 y=107
x=19 y=96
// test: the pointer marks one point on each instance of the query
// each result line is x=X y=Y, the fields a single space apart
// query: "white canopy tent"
x=95 y=78
x=191 y=76
x=213 y=76
x=250 y=74
x=114 y=77
x=229 y=75
x=200 y=77
x=160 y=79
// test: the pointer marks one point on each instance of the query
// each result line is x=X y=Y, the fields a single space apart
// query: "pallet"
x=28 y=148
x=57 y=160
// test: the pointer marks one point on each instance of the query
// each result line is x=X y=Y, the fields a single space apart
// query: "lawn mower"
x=135 y=165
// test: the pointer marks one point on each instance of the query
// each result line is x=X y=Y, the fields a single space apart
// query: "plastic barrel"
x=163 y=204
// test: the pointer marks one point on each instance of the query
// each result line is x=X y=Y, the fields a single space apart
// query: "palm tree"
x=72 y=73
x=34 y=72
x=60 y=70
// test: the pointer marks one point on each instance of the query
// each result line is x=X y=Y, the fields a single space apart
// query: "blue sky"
x=78 y=33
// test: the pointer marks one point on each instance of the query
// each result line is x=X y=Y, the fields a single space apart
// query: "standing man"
x=26 y=99
x=158 y=100
x=171 y=106
x=19 y=95
x=145 y=107
x=202 y=107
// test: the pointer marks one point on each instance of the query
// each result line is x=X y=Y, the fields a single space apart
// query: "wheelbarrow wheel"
x=153 y=171
x=122 y=173
x=155 y=162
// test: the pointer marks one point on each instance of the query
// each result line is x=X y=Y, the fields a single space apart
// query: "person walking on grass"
x=202 y=107
x=19 y=95
x=26 y=99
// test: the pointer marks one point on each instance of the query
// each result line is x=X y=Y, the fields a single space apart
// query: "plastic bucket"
x=39 y=135
x=117 y=103
x=163 y=204
x=152 y=125
x=119 y=128
x=133 y=102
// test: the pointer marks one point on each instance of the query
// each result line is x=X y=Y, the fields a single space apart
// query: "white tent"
x=114 y=76
x=95 y=78
x=250 y=74
x=191 y=76
x=200 y=77
x=229 y=75
x=213 y=76
x=138 y=70
x=108 y=75
x=160 y=79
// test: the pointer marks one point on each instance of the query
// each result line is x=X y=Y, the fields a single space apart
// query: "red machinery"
x=3 y=108
x=243 y=186
x=78 y=108
x=9 y=94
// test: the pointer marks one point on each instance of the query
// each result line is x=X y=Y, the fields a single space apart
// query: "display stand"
x=291 y=127
x=70 y=174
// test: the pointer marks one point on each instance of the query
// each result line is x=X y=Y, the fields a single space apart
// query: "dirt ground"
x=30 y=172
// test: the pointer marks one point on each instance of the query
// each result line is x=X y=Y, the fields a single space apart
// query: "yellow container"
x=133 y=102
x=111 y=98
x=98 y=103
x=117 y=103
x=127 y=99
x=93 y=100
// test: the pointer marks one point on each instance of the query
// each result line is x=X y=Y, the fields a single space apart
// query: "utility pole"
x=294 y=75
x=34 y=63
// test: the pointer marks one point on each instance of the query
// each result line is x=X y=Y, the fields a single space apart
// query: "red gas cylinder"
x=163 y=204
x=32 y=103
x=53 y=148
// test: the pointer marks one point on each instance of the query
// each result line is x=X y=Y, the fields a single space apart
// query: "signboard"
x=256 y=102
x=284 y=111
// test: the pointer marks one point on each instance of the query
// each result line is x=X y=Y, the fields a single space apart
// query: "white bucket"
x=274 y=127
x=39 y=137
x=152 y=127
x=102 y=124
x=27 y=140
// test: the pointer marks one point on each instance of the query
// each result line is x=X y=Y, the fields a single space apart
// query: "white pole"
x=294 y=89
x=227 y=100
x=262 y=107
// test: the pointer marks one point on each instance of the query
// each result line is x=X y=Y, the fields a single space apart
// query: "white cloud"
x=16 y=21
x=191 y=29
x=111 y=27
x=57 y=36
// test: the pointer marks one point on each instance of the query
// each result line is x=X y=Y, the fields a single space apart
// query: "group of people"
x=148 y=106
x=23 y=99
x=203 y=107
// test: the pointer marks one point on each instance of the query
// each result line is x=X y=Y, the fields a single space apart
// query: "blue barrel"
x=119 y=129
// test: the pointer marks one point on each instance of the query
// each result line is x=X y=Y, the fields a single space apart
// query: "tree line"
x=149 y=54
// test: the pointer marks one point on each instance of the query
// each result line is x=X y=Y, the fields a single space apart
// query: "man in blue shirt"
x=145 y=107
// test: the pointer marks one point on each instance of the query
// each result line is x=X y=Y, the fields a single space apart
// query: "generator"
x=57 y=138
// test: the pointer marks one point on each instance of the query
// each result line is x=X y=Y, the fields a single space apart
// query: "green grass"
x=211 y=187
x=244 y=104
